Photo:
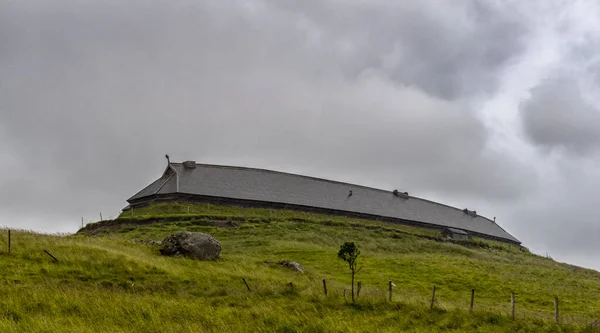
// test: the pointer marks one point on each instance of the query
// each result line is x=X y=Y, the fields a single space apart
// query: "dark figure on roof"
x=400 y=194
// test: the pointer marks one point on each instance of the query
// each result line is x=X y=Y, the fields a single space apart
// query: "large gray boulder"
x=195 y=245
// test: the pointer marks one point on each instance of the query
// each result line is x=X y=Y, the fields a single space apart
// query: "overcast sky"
x=487 y=105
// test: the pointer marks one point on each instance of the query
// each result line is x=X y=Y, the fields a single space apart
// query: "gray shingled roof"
x=272 y=186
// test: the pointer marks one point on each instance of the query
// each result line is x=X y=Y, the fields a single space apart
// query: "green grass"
x=106 y=281
x=178 y=211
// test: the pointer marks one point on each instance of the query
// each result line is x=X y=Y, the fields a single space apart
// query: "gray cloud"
x=447 y=51
x=561 y=119
x=92 y=95
x=558 y=118
x=562 y=217
x=557 y=115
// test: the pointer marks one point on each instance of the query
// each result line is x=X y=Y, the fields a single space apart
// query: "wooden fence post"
x=432 y=297
x=246 y=283
x=9 y=241
x=472 y=300
x=358 y=287
x=100 y=216
x=556 y=310
x=512 y=302
x=390 y=289
x=50 y=254
x=325 y=287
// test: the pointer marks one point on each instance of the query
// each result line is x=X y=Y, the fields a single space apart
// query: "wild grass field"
x=108 y=280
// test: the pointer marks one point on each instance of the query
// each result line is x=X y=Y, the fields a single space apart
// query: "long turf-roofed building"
x=229 y=185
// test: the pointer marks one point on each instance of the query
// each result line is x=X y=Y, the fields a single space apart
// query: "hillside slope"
x=108 y=280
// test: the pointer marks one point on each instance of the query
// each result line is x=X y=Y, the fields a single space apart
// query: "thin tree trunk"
x=352 y=286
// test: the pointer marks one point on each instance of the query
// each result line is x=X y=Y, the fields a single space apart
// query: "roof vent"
x=472 y=213
x=401 y=194
x=189 y=164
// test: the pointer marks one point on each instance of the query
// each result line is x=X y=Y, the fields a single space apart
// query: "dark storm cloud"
x=446 y=50
x=92 y=95
x=557 y=115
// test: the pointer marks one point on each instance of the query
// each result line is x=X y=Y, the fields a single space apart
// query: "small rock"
x=292 y=265
x=195 y=245
x=151 y=242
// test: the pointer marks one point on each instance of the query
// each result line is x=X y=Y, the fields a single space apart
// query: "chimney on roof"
x=189 y=164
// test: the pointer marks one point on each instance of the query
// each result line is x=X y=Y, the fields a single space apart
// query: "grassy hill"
x=109 y=280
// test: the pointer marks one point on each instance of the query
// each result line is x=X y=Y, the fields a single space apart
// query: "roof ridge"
x=332 y=181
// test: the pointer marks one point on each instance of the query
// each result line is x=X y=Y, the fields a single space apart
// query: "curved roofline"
x=327 y=180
